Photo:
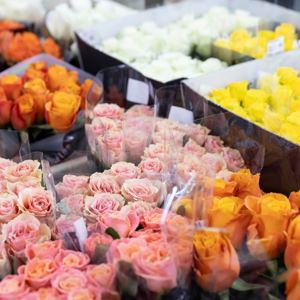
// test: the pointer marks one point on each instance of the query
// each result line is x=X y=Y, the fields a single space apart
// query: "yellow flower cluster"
x=244 y=42
x=274 y=105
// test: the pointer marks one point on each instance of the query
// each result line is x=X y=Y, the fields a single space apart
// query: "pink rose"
x=213 y=144
x=94 y=240
x=151 y=219
x=101 y=202
x=177 y=226
x=198 y=133
x=17 y=187
x=192 y=148
x=140 y=110
x=152 y=168
x=160 y=151
x=44 y=294
x=5 y=266
x=233 y=159
x=125 y=249
x=84 y=294
x=13 y=287
x=112 y=111
x=150 y=236
x=102 y=183
x=38 y=272
x=23 y=230
x=8 y=207
x=36 y=201
x=72 y=259
x=123 y=223
x=170 y=125
x=66 y=280
x=124 y=170
x=169 y=136
x=139 y=207
x=156 y=266
x=72 y=204
x=4 y=163
x=43 y=250
x=191 y=164
x=72 y=185
x=140 y=189
x=27 y=170
x=102 y=276
x=64 y=224
x=214 y=163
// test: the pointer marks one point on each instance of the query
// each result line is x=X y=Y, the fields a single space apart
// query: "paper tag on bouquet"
x=81 y=231
x=137 y=91
x=276 y=46
x=181 y=115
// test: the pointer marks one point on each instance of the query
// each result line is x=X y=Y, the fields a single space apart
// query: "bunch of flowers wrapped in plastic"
x=44 y=94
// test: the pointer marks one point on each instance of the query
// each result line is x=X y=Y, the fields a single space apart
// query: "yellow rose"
x=281 y=99
x=295 y=105
x=266 y=35
x=238 y=89
x=290 y=132
x=294 y=118
x=295 y=86
x=257 y=110
x=268 y=83
x=220 y=94
x=230 y=103
x=287 y=75
x=288 y=31
x=241 y=112
x=255 y=96
x=272 y=121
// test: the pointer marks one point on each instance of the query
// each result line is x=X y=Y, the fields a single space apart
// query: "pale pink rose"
x=152 y=168
x=224 y=174
x=214 y=163
x=3 y=186
x=64 y=224
x=38 y=272
x=99 y=203
x=103 y=183
x=72 y=259
x=66 y=280
x=94 y=240
x=159 y=150
x=213 y=144
x=192 y=148
x=150 y=236
x=166 y=124
x=140 y=189
x=169 y=136
x=72 y=185
x=4 y=163
x=112 y=111
x=156 y=266
x=140 y=110
x=72 y=204
x=43 y=250
x=23 y=230
x=124 y=170
x=125 y=249
x=5 y=266
x=233 y=159
x=151 y=219
x=27 y=170
x=123 y=223
x=37 y=201
x=198 y=133
x=191 y=165
x=17 y=187
x=84 y=294
x=102 y=276
x=8 y=207
x=13 y=287
x=139 y=207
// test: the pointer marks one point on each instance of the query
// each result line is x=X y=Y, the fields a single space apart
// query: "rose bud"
x=12 y=86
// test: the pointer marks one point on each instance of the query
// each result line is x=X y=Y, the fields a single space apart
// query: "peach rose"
x=158 y=150
x=22 y=230
x=12 y=86
x=61 y=110
x=5 y=112
x=125 y=249
x=213 y=144
x=8 y=207
x=37 y=201
x=198 y=133
x=38 y=272
x=151 y=219
x=44 y=294
x=102 y=276
x=43 y=250
x=72 y=259
x=150 y=236
x=72 y=185
x=140 y=189
x=94 y=240
x=102 y=183
x=271 y=214
x=292 y=289
x=152 y=168
x=292 y=250
x=13 y=287
x=231 y=214
x=17 y=187
x=84 y=294
x=139 y=207
x=72 y=204
x=214 y=163
x=123 y=171
x=66 y=280
x=27 y=170
x=112 y=111
x=123 y=223
x=233 y=159
x=156 y=266
x=192 y=148
x=216 y=264
x=101 y=202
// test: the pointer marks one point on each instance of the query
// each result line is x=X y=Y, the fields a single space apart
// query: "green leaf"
x=243 y=286
x=224 y=295
x=114 y=234
x=181 y=210
x=273 y=267
x=271 y=297
x=41 y=126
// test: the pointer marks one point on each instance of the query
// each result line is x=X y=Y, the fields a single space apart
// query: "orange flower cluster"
x=268 y=222
x=10 y=25
x=15 y=47
x=52 y=94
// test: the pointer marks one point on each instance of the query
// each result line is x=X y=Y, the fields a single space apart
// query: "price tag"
x=81 y=232
x=276 y=46
x=137 y=91
x=181 y=115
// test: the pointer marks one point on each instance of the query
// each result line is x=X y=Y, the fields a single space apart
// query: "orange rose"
x=231 y=214
x=51 y=47
x=270 y=217
x=292 y=289
x=70 y=86
x=85 y=87
x=61 y=110
x=223 y=188
x=12 y=86
x=184 y=207
x=5 y=112
x=38 y=90
x=23 y=112
x=36 y=70
x=295 y=200
x=10 y=25
x=292 y=251
x=216 y=264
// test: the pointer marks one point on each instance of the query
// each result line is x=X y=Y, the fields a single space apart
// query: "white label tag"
x=81 y=232
x=181 y=115
x=276 y=46
x=137 y=91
